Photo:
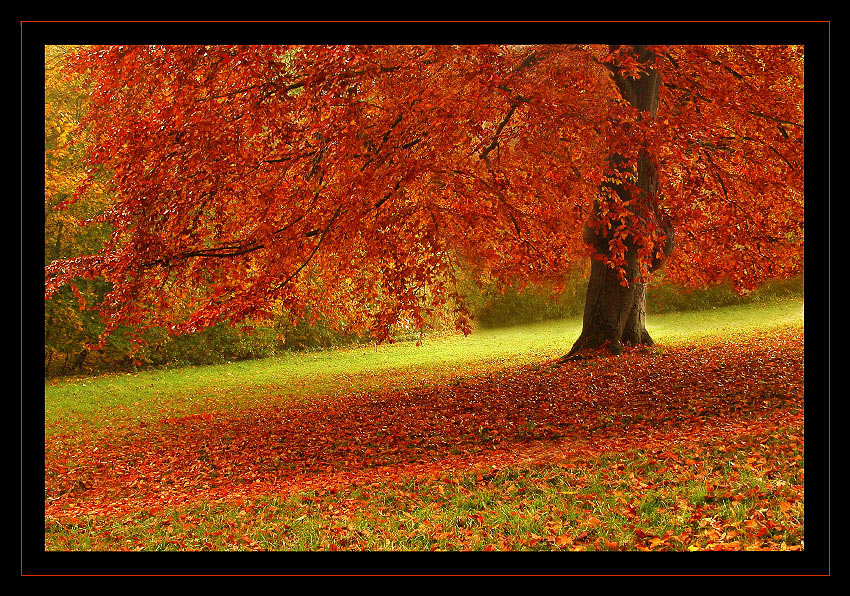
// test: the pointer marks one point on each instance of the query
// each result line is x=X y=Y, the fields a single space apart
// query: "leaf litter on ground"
x=685 y=406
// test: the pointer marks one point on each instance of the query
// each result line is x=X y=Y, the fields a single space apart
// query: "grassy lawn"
x=175 y=392
x=461 y=443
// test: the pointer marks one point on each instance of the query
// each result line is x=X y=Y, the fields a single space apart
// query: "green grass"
x=590 y=506
x=658 y=496
x=191 y=390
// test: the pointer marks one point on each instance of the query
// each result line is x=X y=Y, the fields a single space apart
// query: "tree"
x=69 y=328
x=355 y=179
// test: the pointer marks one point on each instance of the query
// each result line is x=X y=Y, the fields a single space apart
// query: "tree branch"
x=315 y=248
x=495 y=142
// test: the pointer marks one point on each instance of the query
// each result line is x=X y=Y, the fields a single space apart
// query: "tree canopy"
x=357 y=179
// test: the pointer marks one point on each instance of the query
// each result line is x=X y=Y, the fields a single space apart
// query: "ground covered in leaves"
x=688 y=447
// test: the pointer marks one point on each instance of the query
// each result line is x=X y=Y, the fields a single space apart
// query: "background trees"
x=68 y=326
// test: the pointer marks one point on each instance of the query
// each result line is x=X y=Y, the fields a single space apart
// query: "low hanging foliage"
x=354 y=180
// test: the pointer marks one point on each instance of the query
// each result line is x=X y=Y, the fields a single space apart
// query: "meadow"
x=452 y=443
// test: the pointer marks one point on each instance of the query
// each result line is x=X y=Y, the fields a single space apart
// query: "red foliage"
x=353 y=178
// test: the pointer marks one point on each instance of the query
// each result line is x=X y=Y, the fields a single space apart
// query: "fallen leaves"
x=675 y=409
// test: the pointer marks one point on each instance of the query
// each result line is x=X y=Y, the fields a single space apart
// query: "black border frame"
x=814 y=33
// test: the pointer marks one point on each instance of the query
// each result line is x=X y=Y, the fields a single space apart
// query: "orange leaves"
x=231 y=165
x=712 y=396
x=186 y=419
x=563 y=540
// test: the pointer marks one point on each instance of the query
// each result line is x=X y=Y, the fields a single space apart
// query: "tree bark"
x=614 y=314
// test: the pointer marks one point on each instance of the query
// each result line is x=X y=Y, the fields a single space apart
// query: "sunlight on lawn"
x=254 y=382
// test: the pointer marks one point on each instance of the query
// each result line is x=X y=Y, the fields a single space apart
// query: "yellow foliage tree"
x=68 y=227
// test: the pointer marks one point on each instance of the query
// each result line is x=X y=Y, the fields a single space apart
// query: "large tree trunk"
x=615 y=314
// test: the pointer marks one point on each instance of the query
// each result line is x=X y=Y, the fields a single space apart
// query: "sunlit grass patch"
x=154 y=394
